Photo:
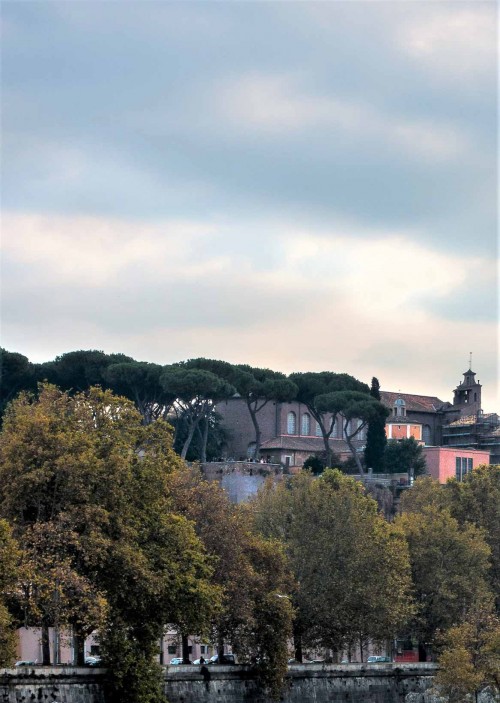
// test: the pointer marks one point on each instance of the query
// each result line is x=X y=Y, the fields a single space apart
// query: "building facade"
x=289 y=434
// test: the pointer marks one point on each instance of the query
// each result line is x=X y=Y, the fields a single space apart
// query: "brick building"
x=290 y=434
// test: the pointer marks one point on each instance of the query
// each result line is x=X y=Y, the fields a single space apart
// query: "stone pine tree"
x=376 y=439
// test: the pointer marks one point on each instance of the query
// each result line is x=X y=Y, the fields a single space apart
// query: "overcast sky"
x=298 y=185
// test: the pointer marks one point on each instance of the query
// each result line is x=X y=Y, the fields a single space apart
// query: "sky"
x=295 y=185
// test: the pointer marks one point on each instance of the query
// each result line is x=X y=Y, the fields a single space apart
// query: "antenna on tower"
x=470 y=361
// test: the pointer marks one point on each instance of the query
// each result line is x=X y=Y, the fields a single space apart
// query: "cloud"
x=454 y=42
x=299 y=185
x=277 y=105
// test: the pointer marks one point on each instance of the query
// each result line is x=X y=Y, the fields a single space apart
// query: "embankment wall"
x=311 y=683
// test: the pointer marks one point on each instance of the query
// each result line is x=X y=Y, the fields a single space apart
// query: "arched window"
x=306 y=424
x=399 y=407
x=291 y=425
x=318 y=430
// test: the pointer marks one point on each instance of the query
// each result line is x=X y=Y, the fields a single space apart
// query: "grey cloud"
x=475 y=300
x=87 y=78
x=168 y=305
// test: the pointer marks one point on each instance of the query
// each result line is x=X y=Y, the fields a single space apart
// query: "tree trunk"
x=185 y=649
x=297 y=643
x=253 y=415
x=204 y=441
x=162 y=650
x=352 y=449
x=220 y=647
x=45 y=644
x=185 y=448
x=328 y=450
x=79 y=648
x=422 y=652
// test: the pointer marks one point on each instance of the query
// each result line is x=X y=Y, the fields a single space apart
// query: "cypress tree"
x=375 y=437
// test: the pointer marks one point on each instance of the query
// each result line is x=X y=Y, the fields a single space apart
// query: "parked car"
x=93 y=660
x=378 y=660
x=176 y=661
x=226 y=659
x=25 y=662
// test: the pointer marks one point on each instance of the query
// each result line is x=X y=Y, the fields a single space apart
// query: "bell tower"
x=467 y=395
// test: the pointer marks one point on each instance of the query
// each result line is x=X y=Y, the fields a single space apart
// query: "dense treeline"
x=187 y=393
x=104 y=527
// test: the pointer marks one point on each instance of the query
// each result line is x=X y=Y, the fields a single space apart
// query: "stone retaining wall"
x=40 y=684
x=308 y=683
x=311 y=683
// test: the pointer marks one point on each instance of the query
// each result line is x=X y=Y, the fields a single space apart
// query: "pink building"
x=450 y=462
x=29 y=647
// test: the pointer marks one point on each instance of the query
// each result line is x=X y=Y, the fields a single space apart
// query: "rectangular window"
x=203 y=649
x=469 y=465
x=190 y=649
x=172 y=649
x=464 y=467
x=458 y=468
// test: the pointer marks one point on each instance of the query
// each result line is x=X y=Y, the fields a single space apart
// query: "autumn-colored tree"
x=351 y=567
x=426 y=492
x=470 y=660
x=248 y=569
x=89 y=463
x=9 y=558
x=449 y=564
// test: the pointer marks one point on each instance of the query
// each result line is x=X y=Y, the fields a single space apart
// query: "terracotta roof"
x=417 y=403
x=306 y=444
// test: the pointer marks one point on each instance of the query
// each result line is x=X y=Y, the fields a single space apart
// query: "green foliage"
x=351 y=567
x=196 y=392
x=449 y=564
x=16 y=374
x=133 y=673
x=314 y=464
x=140 y=382
x=477 y=500
x=376 y=439
x=215 y=441
x=327 y=394
x=9 y=558
x=425 y=493
x=257 y=386
x=404 y=456
x=77 y=371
